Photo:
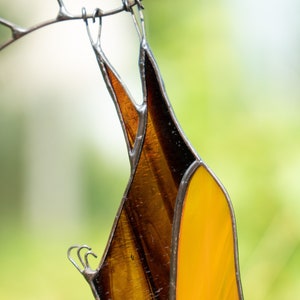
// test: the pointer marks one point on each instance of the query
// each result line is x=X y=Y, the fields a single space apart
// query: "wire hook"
x=98 y=13
x=139 y=25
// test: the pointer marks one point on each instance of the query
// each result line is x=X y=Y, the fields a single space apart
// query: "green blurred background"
x=231 y=69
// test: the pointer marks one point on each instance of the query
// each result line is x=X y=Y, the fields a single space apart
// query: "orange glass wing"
x=174 y=234
x=206 y=251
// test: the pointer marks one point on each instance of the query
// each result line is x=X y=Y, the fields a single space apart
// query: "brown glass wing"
x=136 y=264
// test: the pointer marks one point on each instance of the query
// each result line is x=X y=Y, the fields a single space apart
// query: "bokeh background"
x=231 y=69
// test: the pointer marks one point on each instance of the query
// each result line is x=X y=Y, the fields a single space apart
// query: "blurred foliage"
x=239 y=122
x=102 y=186
x=11 y=141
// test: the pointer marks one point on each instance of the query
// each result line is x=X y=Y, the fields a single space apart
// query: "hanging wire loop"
x=63 y=14
x=97 y=14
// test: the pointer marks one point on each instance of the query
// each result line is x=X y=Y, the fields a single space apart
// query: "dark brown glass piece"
x=136 y=263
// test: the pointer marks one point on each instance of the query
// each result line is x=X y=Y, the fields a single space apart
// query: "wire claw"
x=84 y=15
x=139 y=25
x=84 y=265
x=86 y=258
x=98 y=13
x=79 y=255
x=126 y=5
x=71 y=259
x=139 y=4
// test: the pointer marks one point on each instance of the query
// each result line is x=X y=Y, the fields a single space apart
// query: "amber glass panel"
x=123 y=268
x=136 y=264
x=127 y=112
x=206 y=263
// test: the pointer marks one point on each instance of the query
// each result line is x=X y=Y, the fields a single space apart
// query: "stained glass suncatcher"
x=174 y=236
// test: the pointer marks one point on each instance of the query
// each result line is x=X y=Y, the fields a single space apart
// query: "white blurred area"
x=51 y=76
x=267 y=36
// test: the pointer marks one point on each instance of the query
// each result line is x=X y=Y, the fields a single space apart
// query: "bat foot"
x=82 y=264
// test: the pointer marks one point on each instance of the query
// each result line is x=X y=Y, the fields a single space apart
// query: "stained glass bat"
x=174 y=236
